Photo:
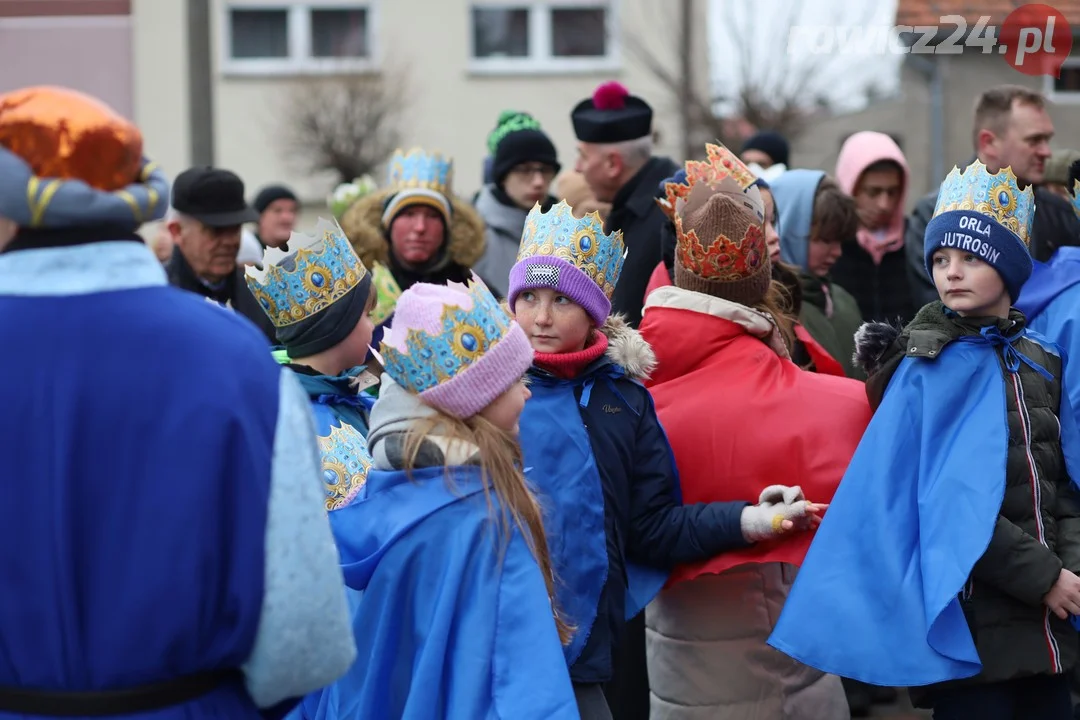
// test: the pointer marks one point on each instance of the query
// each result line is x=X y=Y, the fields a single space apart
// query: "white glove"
x=777 y=503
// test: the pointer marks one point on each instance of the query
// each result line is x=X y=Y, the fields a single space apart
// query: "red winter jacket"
x=824 y=363
x=741 y=417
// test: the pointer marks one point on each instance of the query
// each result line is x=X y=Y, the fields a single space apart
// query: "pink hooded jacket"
x=859 y=152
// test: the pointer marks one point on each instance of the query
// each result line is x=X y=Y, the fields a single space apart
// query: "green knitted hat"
x=510 y=121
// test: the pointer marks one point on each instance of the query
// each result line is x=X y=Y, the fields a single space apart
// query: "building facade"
x=210 y=81
x=931 y=114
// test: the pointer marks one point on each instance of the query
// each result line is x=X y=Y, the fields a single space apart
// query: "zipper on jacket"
x=1036 y=498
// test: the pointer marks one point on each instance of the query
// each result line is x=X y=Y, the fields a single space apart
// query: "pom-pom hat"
x=611 y=115
x=518 y=139
x=455 y=347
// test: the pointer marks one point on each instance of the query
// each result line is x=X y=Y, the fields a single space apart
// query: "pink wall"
x=88 y=53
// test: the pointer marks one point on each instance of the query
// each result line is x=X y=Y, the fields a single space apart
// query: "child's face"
x=505 y=411
x=360 y=338
x=821 y=255
x=772 y=239
x=553 y=322
x=969 y=286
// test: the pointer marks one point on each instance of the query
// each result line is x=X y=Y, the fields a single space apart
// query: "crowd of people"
x=725 y=439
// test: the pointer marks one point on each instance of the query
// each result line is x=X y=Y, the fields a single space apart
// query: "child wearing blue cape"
x=319 y=299
x=444 y=551
x=1051 y=297
x=947 y=560
x=598 y=457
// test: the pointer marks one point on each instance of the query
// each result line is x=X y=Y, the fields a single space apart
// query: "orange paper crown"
x=721 y=240
x=64 y=134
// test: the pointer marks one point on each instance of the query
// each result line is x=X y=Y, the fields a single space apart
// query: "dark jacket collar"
x=638 y=195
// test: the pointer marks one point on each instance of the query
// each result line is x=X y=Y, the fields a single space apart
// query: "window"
x=500 y=32
x=579 y=33
x=1065 y=89
x=543 y=36
x=296 y=38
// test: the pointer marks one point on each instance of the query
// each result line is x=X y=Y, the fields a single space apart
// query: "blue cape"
x=876 y=597
x=560 y=465
x=1048 y=281
x=445 y=626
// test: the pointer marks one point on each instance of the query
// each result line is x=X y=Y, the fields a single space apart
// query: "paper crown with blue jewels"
x=581 y=242
x=422 y=355
x=996 y=195
x=419 y=170
x=302 y=284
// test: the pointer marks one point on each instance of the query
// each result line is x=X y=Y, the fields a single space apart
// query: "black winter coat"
x=1055 y=225
x=1038 y=529
x=635 y=212
x=642 y=521
x=234 y=291
x=882 y=291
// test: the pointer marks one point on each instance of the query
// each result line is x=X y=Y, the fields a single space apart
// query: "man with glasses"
x=523 y=166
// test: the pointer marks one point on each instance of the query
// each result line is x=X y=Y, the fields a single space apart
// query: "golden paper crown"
x=996 y=195
x=719 y=218
x=316 y=276
x=720 y=165
x=581 y=242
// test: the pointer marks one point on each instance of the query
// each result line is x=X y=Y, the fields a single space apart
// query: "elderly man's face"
x=600 y=168
x=211 y=252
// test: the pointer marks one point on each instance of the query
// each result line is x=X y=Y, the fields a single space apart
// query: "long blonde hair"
x=500 y=469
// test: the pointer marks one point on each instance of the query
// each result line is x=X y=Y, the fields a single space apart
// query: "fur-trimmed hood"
x=362 y=224
x=628 y=349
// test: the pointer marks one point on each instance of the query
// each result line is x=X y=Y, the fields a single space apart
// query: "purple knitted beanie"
x=572 y=256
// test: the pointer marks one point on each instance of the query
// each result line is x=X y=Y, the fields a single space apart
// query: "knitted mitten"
x=776 y=504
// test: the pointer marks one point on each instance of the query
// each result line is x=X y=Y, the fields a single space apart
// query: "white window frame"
x=298 y=24
x=1069 y=97
x=540 y=61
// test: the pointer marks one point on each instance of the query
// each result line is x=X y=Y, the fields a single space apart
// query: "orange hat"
x=67 y=159
x=65 y=134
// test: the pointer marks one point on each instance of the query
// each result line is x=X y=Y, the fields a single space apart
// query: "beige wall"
x=159 y=47
x=453 y=110
x=908 y=115
x=87 y=53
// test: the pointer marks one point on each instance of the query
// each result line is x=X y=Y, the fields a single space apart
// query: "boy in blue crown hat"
x=948 y=558
x=320 y=299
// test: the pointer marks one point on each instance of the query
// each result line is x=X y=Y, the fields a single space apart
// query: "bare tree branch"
x=772 y=88
x=347 y=124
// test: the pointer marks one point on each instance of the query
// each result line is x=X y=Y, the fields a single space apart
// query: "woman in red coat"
x=806 y=352
x=741 y=417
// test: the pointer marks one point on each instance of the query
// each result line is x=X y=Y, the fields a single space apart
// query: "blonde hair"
x=500 y=471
